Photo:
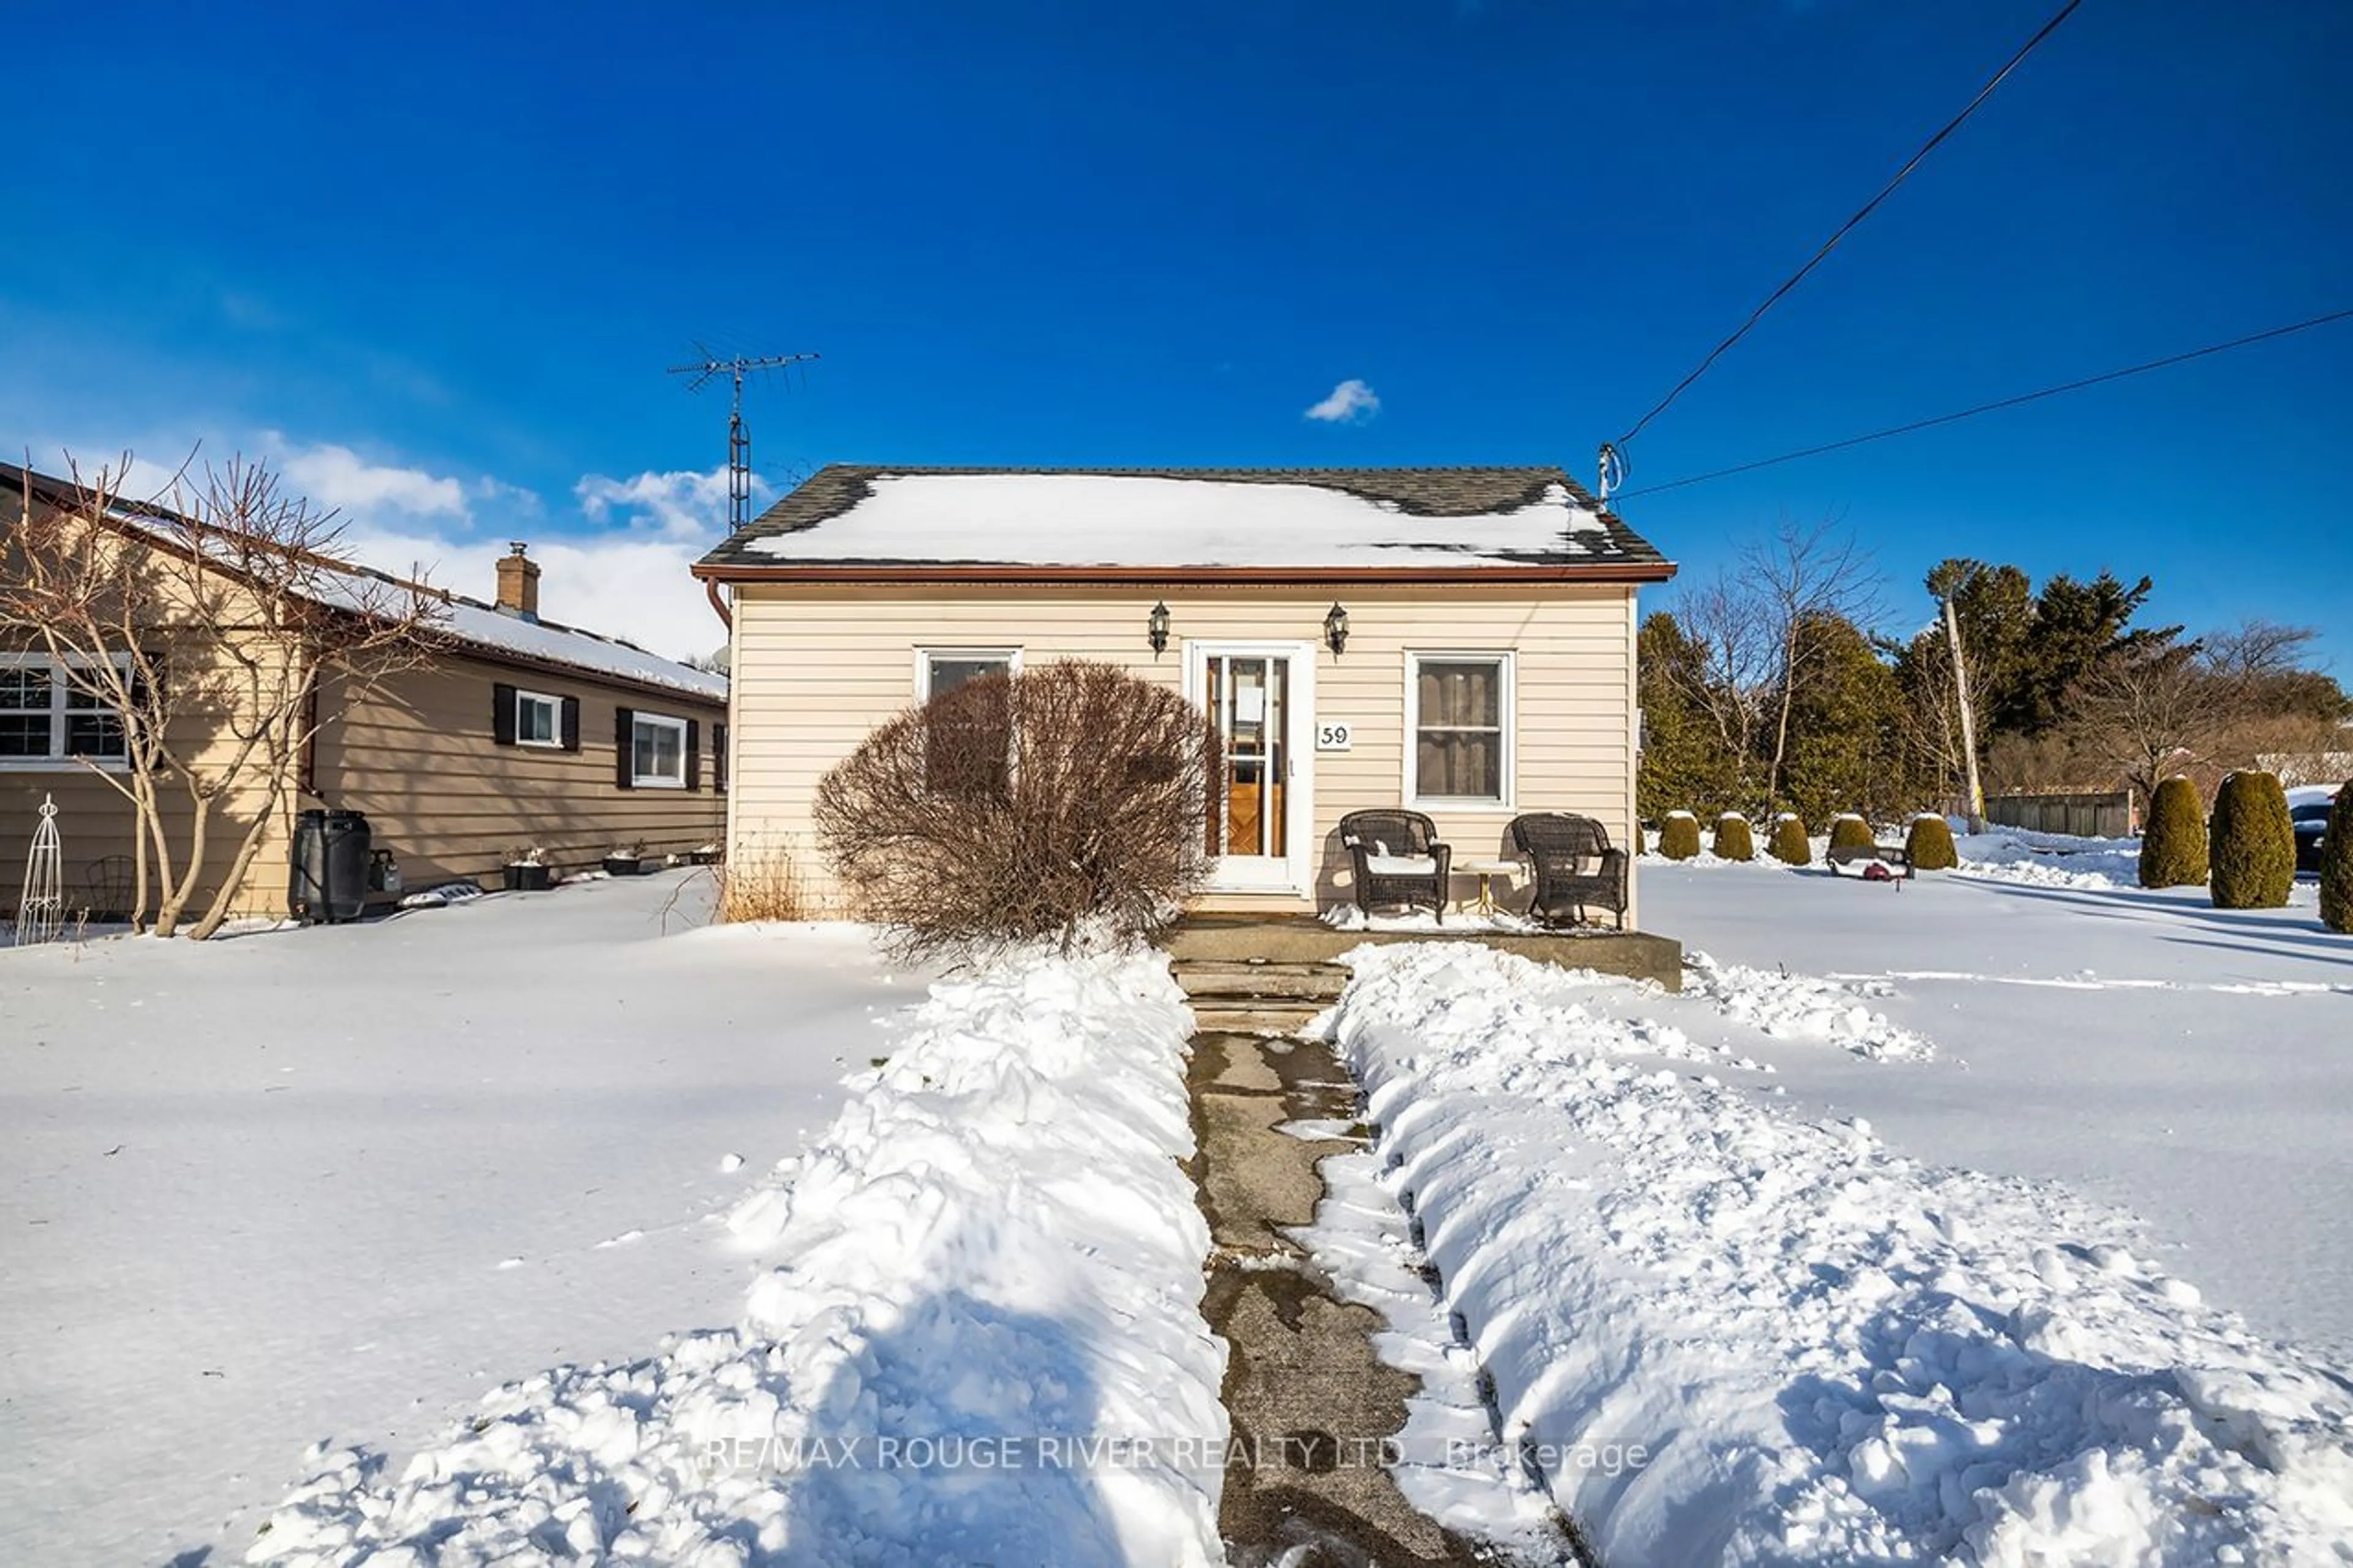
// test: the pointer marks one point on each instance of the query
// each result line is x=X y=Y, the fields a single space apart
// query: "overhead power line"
x=1991 y=407
x=1865 y=211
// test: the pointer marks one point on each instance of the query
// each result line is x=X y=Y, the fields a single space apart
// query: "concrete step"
x=1308 y=982
x=1230 y=1017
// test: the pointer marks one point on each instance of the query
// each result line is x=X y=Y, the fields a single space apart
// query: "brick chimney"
x=519 y=584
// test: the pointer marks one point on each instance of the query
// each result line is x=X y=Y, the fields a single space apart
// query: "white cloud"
x=680 y=505
x=1350 y=403
x=618 y=566
x=339 y=478
x=619 y=583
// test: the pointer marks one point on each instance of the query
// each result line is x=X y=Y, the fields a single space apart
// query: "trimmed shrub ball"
x=2173 y=845
x=1733 y=839
x=1790 y=844
x=2251 y=852
x=1679 y=836
x=1929 y=844
x=1848 y=831
x=2336 y=864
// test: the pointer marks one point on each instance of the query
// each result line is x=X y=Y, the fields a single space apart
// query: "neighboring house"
x=512 y=732
x=1456 y=640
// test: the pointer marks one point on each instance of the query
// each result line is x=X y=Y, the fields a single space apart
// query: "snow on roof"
x=486 y=628
x=1147 y=519
x=469 y=621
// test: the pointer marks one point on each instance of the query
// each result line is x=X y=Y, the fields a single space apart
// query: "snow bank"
x=1802 y=1007
x=985 y=1344
x=1726 y=1335
x=2049 y=859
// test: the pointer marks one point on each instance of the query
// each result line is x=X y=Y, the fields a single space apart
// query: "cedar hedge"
x=2173 y=845
x=1789 y=843
x=1679 y=837
x=1733 y=839
x=1848 y=831
x=2336 y=864
x=2251 y=850
x=1928 y=844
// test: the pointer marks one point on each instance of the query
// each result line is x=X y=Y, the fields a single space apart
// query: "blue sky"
x=437 y=259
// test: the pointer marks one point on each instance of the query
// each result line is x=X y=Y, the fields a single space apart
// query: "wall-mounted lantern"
x=1335 y=630
x=1155 y=629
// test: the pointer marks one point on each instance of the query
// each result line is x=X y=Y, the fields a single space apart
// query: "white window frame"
x=1507 y=715
x=60 y=688
x=924 y=655
x=554 y=741
x=655 y=781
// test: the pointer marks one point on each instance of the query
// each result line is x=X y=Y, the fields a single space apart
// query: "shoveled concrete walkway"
x=1310 y=1402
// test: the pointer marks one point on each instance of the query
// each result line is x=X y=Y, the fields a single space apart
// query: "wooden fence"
x=2085 y=816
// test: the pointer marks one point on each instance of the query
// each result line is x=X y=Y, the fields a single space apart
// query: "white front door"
x=1262 y=824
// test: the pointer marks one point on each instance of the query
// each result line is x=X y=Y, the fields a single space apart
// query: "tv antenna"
x=735 y=367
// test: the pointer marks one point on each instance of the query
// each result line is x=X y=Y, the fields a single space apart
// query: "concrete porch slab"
x=1304 y=938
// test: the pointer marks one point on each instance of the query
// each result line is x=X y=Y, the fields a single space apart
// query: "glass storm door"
x=1257 y=700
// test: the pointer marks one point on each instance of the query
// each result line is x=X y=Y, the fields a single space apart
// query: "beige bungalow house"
x=1460 y=641
x=514 y=730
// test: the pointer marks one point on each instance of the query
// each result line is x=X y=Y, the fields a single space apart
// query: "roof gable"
x=1206 y=522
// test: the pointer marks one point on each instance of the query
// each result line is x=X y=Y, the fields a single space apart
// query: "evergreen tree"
x=1928 y=843
x=1790 y=844
x=1733 y=839
x=2173 y=844
x=2250 y=853
x=1684 y=759
x=1846 y=727
x=1848 y=831
x=2337 y=865
x=1679 y=836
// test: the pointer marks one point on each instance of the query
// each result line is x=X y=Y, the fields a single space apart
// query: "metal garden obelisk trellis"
x=41 y=912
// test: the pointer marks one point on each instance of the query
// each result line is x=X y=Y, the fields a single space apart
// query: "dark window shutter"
x=503 y=714
x=625 y=747
x=719 y=758
x=572 y=723
x=695 y=754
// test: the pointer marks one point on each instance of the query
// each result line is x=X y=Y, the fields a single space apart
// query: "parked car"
x=2308 y=812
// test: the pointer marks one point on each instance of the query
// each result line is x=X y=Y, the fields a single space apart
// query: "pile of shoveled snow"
x=1803 y=1007
x=1725 y=1336
x=2049 y=859
x=984 y=1344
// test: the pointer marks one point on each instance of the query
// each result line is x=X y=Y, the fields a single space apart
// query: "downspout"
x=718 y=605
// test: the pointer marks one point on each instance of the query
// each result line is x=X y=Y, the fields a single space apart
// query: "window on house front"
x=539 y=719
x=1458 y=707
x=657 y=746
x=941 y=671
x=48 y=715
x=968 y=750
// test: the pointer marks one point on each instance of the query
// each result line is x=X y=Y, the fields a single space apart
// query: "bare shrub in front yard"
x=1069 y=799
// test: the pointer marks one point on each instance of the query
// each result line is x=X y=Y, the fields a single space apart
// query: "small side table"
x=1486 y=871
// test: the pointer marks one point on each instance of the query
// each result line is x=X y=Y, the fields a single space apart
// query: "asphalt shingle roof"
x=1598 y=540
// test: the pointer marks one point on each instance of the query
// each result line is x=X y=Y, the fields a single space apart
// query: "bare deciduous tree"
x=1803 y=573
x=1033 y=807
x=199 y=623
x=2152 y=710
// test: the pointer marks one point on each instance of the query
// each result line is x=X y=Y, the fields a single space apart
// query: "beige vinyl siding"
x=418 y=756
x=816 y=667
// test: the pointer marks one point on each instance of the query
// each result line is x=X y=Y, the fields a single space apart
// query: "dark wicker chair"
x=1377 y=841
x=1575 y=867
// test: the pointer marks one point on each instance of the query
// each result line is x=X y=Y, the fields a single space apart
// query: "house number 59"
x=1330 y=737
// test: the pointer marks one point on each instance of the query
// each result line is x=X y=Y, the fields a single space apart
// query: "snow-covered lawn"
x=340 y=1182
x=1961 y=1219
x=981 y=1341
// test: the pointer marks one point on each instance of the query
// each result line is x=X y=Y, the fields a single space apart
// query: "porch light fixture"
x=1335 y=629
x=1155 y=629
